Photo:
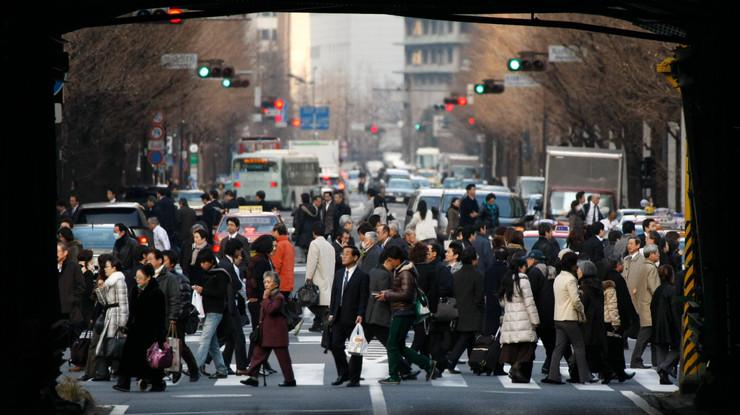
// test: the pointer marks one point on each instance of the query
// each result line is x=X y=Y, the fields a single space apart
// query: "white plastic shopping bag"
x=357 y=341
x=198 y=304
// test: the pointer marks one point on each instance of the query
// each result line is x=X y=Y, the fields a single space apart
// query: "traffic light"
x=295 y=122
x=374 y=129
x=172 y=11
x=489 y=86
x=279 y=103
x=471 y=120
x=514 y=64
x=678 y=68
x=419 y=126
x=439 y=107
x=214 y=69
x=239 y=83
x=204 y=71
x=526 y=62
x=462 y=101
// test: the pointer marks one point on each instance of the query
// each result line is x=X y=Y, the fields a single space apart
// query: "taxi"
x=253 y=223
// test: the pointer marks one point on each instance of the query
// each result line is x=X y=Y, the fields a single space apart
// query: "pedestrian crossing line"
x=309 y=339
x=587 y=387
x=508 y=384
x=309 y=373
x=650 y=380
x=450 y=381
x=299 y=268
x=373 y=371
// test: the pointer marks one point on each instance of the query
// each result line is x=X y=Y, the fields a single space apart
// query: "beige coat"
x=320 y=267
x=642 y=280
x=611 y=306
x=520 y=315
x=568 y=305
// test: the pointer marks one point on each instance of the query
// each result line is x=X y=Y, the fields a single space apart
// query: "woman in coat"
x=259 y=263
x=423 y=224
x=305 y=216
x=594 y=331
x=666 y=312
x=617 y=322
x=147 y=323
x=518 y=331
x=112 y=294
x=468 y=289
x=453 y=216
x=273 y=333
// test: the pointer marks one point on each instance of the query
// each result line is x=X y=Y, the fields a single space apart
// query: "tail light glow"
x=273 y=184
x=143 y=240
x=237 y=184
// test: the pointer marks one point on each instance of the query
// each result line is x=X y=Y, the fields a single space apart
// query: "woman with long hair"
x=575 y=239
x=518 y=331
x=423 y=223
x=453 y=216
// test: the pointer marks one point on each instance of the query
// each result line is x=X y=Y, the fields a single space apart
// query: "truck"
x=461 y=166
x=569 y=170
x=327 y=152
x=427 y=163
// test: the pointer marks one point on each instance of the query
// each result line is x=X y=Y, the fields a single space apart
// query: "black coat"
x=166 y=211
x=666 y=312
x=124 y=249
x=537 y=281
x=211 y=215
x=594 y=248
x=304 y=218
x=215 y=290
x=327 y=217
x=147 y=323
x=494 y=275
x=239 y=237
x=594 y=332
x=467 y=206
x=256 y=268
x=428 y=281
x=71 y=290
x=444 y=277
x=185 y=219
x=371 y=259
x=232 y=292
x=345 y=308
x=468 y=286
x=627 y=313
x=550 y=248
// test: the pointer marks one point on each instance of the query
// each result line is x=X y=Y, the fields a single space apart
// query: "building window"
x=416 y=57
x=449 y=55
x=425 y=55
x=450 y=27
x=426 y=27
x=265 y=34
x=434 y=27
x=417 y=28
x=274 y=34
x=435 y=55
x=409 y=27
x=465 y=27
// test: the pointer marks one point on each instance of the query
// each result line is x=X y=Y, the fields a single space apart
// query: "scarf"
x=196 y=250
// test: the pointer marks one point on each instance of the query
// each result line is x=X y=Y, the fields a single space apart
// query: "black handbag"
x=114 y=346
x=326 y=337
x=308 y=295
x=446 y=309
x=78 y=350
x=255 y=337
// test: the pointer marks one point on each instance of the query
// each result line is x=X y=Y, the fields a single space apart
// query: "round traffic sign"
x=157 y=117
x=155 y=157
x=193 y=148
x=156 y=133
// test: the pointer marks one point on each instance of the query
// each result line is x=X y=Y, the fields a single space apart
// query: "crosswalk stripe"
x=309 y=373
x=587 y=387
x=450 y=381
x=508 y=384
x=649 y=379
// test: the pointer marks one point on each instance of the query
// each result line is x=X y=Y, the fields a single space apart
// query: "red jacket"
x=272 y=322
x=284 y=261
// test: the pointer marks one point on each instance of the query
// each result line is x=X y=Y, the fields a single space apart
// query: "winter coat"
x=520 y=315
x=491 y=286
x=170 y=286
x=642 y=280
x=611 y=304
x=166 y=211
x=402 y=294
x=489 y=216
x=147 y=323
x=124 y=249
x=594 y=249
x=371 y=258
x=378 y=312
x=71 y=290
x=424 y=228
x=215 y=291
x=537 y=276
x=284 y=261
x=482 y=246
x=550 y=248
x=594 y=332
x=453 y=220
x=568 y=305
x=428 y=282
x=185 y=219
x=113 y=291
x=272 y=322
x=256 y=269
x=468 y=287
x=305 y=216
x=467 y=206
x=320 y=268
x=327 y=217
x=627 y=314
x=666 y=312
x=339 y=211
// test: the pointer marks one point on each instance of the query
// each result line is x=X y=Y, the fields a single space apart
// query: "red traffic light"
x=174 y=11
x=295 y=122
x=449 y=107
x=279 y=103
x=471 y=120
x=278 y=118
x=373 y=129
x=462 y=101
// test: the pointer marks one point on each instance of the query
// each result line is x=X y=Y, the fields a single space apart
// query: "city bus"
x=282 y=174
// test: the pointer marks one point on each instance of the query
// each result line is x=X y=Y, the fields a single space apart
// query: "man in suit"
x=592 y=211
x=349 y=296
x=482 y=246
x=327 y=214
x=166 y=211
x=74 y=208
x=641 y=275
x=594 y=246
x=236 y=299
x=469 y=207
x=232 y=227
x=371 y=257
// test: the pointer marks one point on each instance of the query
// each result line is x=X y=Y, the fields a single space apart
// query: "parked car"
x=99 y=238
x=420 y=182
x=399 y=190
x=128 y=213
x=335 y=182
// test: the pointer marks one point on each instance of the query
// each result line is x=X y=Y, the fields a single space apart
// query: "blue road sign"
x=58 y=85
x=322 y=118
x=307 y=117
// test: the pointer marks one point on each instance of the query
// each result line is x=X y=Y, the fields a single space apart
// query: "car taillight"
x=216 y=248
x=273 y=184
x=143 y=240
x=237 y=184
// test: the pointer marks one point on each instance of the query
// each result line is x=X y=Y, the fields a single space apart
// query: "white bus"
x=282 y=174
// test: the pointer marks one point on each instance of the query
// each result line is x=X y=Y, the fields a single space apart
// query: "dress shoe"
x=552 y=382
x=638 y=365
x=103 y=379
x=287 y=384
x=315 y=329
x=158 y=387
x=390 y=381
x=353 y=384
x=411 y=375
x=250 y=382
x=195 y=377
x=664 y=380
x=625 y=376
x=203 y=371
x=121 y=388
x=240 y=372
x=176 y=377
x=218 y=376
x=340 y=380
x=230 y=372
x=608 y=378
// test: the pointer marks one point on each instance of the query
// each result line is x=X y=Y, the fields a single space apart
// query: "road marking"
x=119 y=409
x=373 y=371
x=585 y=387
x=309 y=373
x=377 y=400
x=309 y=339
x=508 y=384
x=450 y=381
x=223 y=395
x=649 y=379
x=270 y=411
x=640 y=403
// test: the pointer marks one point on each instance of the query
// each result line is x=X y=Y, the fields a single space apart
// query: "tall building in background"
x=433 y=57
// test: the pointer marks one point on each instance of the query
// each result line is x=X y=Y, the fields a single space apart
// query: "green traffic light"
x=226 y=83
x=514 y=64
x=480 y=89
x=417 y=126
x=204 y=71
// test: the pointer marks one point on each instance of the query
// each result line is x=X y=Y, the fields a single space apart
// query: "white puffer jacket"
x=520 y=315
x=424 y=228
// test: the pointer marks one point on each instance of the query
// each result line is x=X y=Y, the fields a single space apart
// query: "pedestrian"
x=328 y=207
x=453 y=254
x=113 y=295
x=350 y=291
x=422 y=256
x=339 y=241
x=111 y=195
x=479 y=240
x=166 y=212
x=423 y=223
x=673 y=254
x=259 y=263
x=541 y=278
x=74 y=208
x=229 y=200
x=62 y=209
x=186 y=296
x=642 y=279
x=547 y=244
x=490 y=213
x=213 y=287
x=345 y=224
x=592 y=210
x=569 y=313
x=151 y=201
x=71 y=285
x=380 y=208
x=370 y=251
x=320 y=267
x=402 y=297
x=89 y=276
x=610 y=222
x=468 y=289
x=576 y=217
x=260 y=199
x=620 y=247
x=231 y=325
x=453 y=216
x=520 y=322
x=341 y=208
x=200 y=243
x=611 y=241
x=167 y=283
x=515 y=244
x=124 y=247
x=161 y=239
x=491 y=286
x=648 y=225
x=469 y=207
x=394 y=238
x=619 y=314
x=368 y=206
x=147 y=323
x=303 y=220
x=283 y=259
x=593 y=247
x=666 y=313
x=233 y=225
x=185 y=218
x=273 y=335
x=576 y=238
x=594 y=330
x=73 y=245
x=440 y=338
x=409 y=237
x=211 y=215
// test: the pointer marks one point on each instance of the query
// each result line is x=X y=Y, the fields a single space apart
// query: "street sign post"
x=564 y=53
x=155 y=157
x=156 y=145
x=519 y=81
x=179 y=60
